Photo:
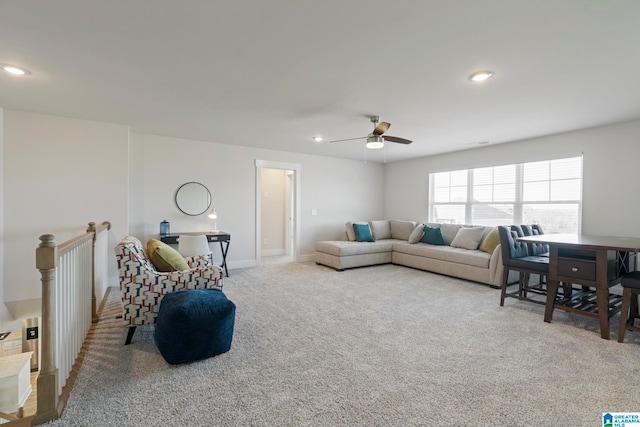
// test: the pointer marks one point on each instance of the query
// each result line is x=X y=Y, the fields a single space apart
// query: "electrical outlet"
x=265 y=241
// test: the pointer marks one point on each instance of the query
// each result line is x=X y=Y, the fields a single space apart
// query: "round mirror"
x=193 y=198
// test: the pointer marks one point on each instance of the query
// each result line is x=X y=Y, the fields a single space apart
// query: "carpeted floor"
x=376 y=346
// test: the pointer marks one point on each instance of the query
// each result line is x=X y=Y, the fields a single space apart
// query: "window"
x=548 y=193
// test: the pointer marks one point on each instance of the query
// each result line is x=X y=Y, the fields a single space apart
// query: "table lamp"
x=214 y=216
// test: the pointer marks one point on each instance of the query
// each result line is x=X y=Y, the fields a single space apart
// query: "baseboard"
x=307 y=258
x=241 y=264
x=253 y=263
x=273 y=252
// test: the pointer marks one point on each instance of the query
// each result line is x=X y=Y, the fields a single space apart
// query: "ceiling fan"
x=375 y=138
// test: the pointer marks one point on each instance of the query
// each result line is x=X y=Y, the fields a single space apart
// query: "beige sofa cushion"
x=401 y=230
x=380 y=229
x=355 y=248
x=445 y=253
x=351 y=234
x=468 y=238
x=416 y=234
x=449 y=232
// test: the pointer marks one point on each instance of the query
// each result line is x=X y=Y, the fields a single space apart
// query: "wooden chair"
x=515 y=257
x=629 y=311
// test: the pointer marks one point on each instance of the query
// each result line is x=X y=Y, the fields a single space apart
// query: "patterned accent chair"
x=142 y=287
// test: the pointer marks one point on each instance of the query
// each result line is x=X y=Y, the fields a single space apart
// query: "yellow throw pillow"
x=164 y=257
x=491 y=241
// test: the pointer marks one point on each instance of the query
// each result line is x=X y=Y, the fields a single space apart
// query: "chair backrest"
x=193 y=245
x=538 y=248
x=524 y=230
x=520 y=230
x=537 y=229
x=511 y=248
x=131 y=251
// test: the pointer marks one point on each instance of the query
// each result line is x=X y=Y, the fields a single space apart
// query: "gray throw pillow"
x=468 y=238
x=349 y=229
x=401 y=229
x=416 y=234
x=380 y=229
x=449 y=232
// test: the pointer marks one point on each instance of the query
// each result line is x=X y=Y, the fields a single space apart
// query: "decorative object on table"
x=194 y=325
x=193 y=198
x=214 y=216
x=164 y=228
x=142 y=286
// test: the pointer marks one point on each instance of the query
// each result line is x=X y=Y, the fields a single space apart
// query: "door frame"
x=296 y=168
x=289 y=213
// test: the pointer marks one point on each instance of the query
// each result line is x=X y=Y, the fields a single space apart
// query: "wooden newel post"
x=46 y=262
x=94 y=309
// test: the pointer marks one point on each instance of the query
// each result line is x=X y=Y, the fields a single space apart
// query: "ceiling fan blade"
x=396 y=139
x=381 y=128
x=348 y=139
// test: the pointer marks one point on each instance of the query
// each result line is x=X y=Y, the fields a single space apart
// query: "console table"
x=592 y=261
x=212 y=236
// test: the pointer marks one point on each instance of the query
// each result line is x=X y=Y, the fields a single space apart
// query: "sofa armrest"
x=496 y=267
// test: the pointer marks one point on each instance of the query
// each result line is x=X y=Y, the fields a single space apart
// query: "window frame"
x=518 y=203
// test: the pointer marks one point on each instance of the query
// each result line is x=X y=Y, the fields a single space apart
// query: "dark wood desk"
x=592 y=261
x=212 y=236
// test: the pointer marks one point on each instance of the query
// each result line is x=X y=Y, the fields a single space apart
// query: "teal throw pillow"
x=363 y=233
x=433 y=236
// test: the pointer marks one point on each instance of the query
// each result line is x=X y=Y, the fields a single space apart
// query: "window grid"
x=556 y=202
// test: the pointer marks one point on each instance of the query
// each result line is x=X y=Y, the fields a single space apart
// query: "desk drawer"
x=585 y=270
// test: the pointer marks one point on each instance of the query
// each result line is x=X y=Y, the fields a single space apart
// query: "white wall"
x=59 y=174
x=610 y=178
x=340 y=191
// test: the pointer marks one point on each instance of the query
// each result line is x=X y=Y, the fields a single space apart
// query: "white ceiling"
x=275 y=73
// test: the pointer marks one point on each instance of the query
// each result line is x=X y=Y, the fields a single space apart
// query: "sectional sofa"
x=465 y=251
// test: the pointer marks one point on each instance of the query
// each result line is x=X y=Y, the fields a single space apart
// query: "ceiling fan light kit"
x=375 y=142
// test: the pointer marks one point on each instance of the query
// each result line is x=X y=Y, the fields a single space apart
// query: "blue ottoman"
x=194 y=324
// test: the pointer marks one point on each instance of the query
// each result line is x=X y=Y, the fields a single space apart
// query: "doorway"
x=277 y=212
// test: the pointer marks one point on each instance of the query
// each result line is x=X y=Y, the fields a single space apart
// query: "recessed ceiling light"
x=480 y=76
x=17 y=71
x=477 y=143
x=318 y=138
